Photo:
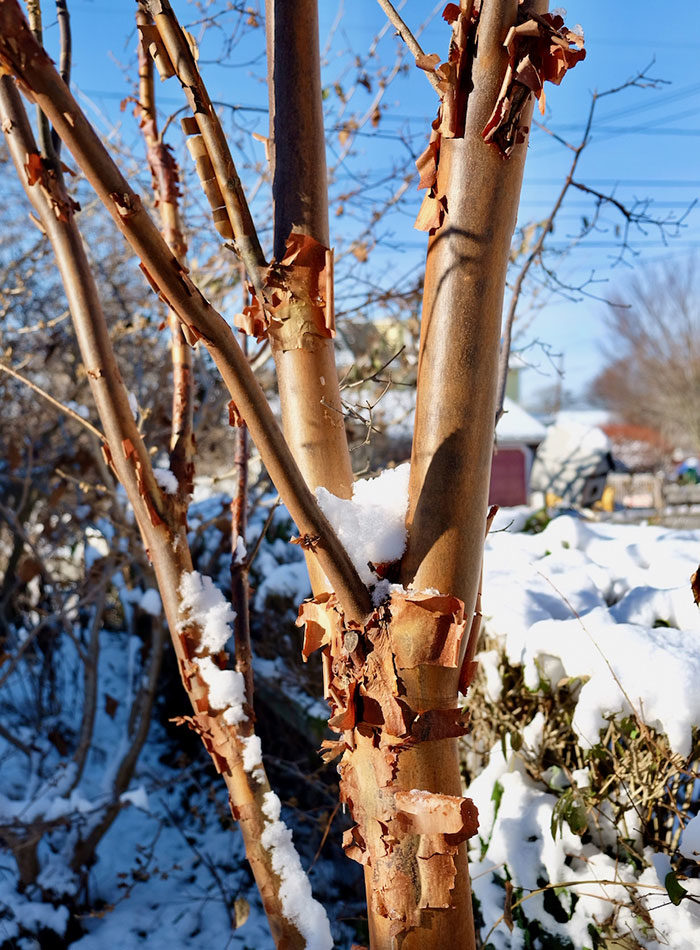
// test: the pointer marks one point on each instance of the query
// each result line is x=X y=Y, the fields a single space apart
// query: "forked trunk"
x=393 y=684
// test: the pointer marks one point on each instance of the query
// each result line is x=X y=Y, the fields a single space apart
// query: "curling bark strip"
x=164 y=535
x=22 y=56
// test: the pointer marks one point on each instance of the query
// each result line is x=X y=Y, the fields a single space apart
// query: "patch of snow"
x=287 y=580
x=239 y=551
x=371 y=525
x=78 y=408
x=637 y=631
x=489 y=662
x=535 y=585
x=511 y=520
x=151 y=603
x=517 y=425
x=226 y=689
x=252 y=753
x=689 y=845
x=133 y=404
x=166 y=480
x=138 y=797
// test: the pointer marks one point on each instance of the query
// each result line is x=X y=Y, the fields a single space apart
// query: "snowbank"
x=609 y=605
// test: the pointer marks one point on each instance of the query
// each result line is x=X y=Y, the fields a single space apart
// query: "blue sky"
x=644 y=144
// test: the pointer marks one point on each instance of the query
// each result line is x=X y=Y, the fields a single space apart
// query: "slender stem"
x=66 y=60
x=171 y=560
x=507 y=334
x=409 y=39
x=180 y=53
x=90 y=670
x=54 y=402
x=165 y=177
x=304 y=354
x=45 y=139
x=240 y=588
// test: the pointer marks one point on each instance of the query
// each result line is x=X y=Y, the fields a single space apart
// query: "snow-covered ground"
x=607 y=605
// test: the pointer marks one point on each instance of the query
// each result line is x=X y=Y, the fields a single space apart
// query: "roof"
x=517 y=425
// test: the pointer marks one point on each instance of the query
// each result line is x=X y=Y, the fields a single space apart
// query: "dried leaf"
x=309 y=542
x=360 y=251
x=508 y=906
x=695 y=586
x=451 y=12
x=254 y=320
x=111 y=705
x=34 y=167
x=241 y=911
x=427 y=164
x=28 y=568
x=320 y=621
x=235 y=419
x=430 y=214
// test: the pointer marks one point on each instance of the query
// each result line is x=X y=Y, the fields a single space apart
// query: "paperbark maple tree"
x=393 y=670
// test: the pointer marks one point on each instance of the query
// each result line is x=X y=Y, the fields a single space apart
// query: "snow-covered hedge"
x=590 y=677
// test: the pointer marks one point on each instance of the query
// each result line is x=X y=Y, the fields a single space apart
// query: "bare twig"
x=165 y=178
x=409 y=39
x=65 y=62
x=253 y=553
x=633 y=215
x=54 y=402
x=215 y=145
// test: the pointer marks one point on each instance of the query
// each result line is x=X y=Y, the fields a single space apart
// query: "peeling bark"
x=409 y=832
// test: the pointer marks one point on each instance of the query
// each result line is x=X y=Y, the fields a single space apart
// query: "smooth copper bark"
x=306 y=372
x=460 y=333
x=455 y=413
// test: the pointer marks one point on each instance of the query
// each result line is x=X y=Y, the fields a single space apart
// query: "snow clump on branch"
x=372 y=524
x=298 y=903
x=204 y=605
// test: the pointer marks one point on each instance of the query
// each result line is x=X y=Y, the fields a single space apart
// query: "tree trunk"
x=400 y=767
x=303 y=346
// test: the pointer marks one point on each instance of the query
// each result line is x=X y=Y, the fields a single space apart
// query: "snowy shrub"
x=584 y=749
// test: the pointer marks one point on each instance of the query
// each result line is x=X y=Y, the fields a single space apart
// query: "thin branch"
x=253 y=553
x=54 y=402
x=165 y=178
x=45 y=136
x=65 y=62
x=33 y=68
x=240 y=588
x=409 y=39
x=640 y=80
x=214 y=141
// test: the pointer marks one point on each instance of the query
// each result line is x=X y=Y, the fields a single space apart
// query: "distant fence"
x=639 y=490
x=647 y=490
